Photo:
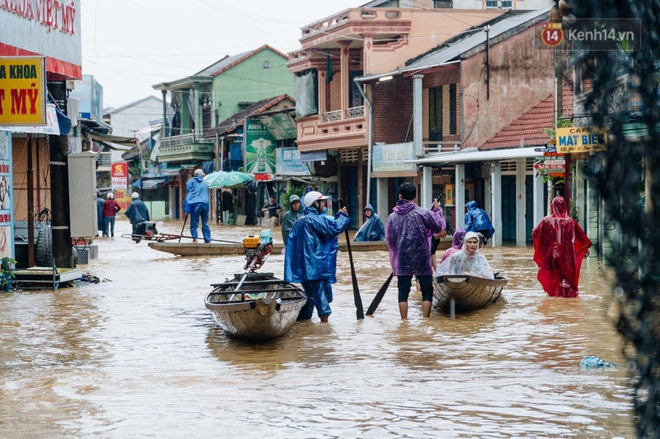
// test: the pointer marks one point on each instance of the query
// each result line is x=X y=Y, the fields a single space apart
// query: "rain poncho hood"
x=476 y=220
x=311 y=252
x=407 y=233
x=462 y=262
x=197 y=191
x=137 y=212
x=560 y=245
x=290 y=218
x=372 y=229
x=456 y=245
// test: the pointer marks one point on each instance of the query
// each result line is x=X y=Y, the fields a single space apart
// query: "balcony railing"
x=349 y=113
x=436 y=146
x=184 y=139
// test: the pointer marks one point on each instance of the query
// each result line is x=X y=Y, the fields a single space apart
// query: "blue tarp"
x=150 y=183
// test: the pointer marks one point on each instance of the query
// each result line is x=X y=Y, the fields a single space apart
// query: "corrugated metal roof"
x=222 y=64
x=457 y=48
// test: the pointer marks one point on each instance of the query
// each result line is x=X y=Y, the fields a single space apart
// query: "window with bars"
x=453 y=101
x=435 y=113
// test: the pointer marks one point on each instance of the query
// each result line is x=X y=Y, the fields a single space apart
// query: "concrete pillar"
x=172 y=202
x=426 y=193
x=460 y=195
x=382 y=207
x=521 y=204
x=367 y=50
x=496 y=203
x=344 y=77
x=538 y=187
x=199 y=123
x=418 y=131
x=322 y=107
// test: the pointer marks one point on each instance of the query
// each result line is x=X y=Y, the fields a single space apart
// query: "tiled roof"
x=230 y=61
x=527 y=130
x=253 y=109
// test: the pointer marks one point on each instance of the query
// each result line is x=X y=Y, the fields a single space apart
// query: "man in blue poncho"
x=407 y=235
x=476 y=220
x=197 y=205
x=137 y=211
x=311 y=254
x=372 y=229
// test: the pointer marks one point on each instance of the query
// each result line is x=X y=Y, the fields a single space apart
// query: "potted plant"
x=7 y=267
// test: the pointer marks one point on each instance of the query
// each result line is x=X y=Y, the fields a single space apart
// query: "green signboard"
x=259 y=148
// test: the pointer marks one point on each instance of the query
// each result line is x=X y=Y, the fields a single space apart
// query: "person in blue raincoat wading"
x=197 y=205
x=311 y=254
x=137 y=211
x=477 y=220
x=372 y=229
x=407 y=235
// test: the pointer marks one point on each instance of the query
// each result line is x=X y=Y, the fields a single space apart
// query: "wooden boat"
x=263 y=308
x=463 y=293
x=219 y=249
x=202 y=249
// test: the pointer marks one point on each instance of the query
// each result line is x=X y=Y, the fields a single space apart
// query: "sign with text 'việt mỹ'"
x=581 y=139
x=22 y=91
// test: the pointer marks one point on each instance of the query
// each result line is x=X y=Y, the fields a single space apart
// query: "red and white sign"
x=119 y=174
x=551 y=164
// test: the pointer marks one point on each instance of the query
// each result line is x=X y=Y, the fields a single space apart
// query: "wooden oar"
x=359 y=311
x=379 y=296
x=183 y=227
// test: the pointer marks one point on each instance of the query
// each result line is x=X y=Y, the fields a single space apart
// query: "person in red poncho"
x=560 y=244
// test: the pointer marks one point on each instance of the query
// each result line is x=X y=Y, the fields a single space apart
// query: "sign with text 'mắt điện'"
x=581 y=139
x=22 y=91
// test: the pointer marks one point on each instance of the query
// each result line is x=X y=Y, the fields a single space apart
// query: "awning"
x=478 y=156
x=148 y=183
x=113 y=142
x=313 y=156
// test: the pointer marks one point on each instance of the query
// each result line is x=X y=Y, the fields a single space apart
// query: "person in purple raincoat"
x=407 y=236
x=311 y=254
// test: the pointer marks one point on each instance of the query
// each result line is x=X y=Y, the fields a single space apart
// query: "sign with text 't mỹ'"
x=22 y=91
x=581 y=139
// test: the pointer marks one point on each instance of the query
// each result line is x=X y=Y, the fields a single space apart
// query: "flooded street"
x=139 y=355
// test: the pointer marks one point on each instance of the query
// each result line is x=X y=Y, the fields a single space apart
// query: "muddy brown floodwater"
x=140 y=356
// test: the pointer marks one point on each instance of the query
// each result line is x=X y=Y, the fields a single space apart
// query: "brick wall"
x=393 y=109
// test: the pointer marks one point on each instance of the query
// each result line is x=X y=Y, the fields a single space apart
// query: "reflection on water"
x=140 y=356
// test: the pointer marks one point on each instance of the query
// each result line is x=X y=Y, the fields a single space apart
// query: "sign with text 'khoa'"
x=581 y=139
x=22 y=91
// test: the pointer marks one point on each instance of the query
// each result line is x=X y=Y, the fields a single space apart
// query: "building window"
x=453 y=100
x=266 y=64
x=499 y=4
x=437 y=4
x=435 y=113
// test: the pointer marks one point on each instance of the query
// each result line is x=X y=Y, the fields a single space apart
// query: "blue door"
x=508 y=208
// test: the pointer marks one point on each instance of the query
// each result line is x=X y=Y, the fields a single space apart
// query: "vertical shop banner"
x=119 y=175
x=259 y=148
x=6 y=207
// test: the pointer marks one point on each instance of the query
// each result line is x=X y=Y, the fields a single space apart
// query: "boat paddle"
x=359 y=311
x=379 y=296
x=183 y=226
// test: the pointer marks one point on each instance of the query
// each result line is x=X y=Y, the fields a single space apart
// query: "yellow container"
x=251 y=241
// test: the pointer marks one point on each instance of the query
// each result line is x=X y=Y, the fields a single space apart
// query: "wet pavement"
x=138 y=355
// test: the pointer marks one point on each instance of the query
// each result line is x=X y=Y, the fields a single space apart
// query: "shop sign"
x=581 y=139
x=22 y=91
x=119 y=175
